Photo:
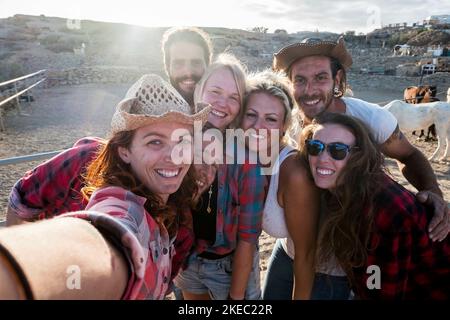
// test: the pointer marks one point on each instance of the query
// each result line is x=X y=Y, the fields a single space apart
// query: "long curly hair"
x=347 y=225
x=108 y=169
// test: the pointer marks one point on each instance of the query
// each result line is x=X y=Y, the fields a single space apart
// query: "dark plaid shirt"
x=54 y=186
x=411 y=265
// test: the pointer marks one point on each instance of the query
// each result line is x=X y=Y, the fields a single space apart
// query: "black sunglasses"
x=337 y=150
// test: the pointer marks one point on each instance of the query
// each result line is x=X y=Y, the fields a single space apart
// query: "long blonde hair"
x=237 y=69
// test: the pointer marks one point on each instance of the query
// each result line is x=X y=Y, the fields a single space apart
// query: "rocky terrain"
x=31 y=43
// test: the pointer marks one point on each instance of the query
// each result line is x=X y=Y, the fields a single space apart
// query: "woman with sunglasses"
x=374 y=228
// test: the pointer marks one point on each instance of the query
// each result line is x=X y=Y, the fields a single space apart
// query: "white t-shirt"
x=380 y=121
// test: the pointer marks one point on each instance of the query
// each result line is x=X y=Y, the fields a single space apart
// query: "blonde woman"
x=227 y=222
x=291 y=206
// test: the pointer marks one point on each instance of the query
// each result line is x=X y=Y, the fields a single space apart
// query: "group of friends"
x=140 y=225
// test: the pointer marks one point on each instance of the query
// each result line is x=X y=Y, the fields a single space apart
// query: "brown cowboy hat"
x=284 y=58
x=150 y=100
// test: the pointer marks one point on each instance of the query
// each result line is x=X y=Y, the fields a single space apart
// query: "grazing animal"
x=422 y=94
x=415 y=117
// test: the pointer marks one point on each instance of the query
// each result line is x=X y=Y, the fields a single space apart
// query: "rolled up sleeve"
x=252 y=193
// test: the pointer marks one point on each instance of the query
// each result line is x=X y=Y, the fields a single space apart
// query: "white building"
x=438 y=19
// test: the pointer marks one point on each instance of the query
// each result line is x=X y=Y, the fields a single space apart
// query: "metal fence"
x=31 y=157
x=15 y=84
x=14 y=93
x=15 y=89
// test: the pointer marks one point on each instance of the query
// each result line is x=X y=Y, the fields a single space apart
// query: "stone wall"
x=359 y=81
x=395 y=83
x=83 y=75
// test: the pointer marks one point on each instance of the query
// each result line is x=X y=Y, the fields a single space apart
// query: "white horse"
x=418 y=116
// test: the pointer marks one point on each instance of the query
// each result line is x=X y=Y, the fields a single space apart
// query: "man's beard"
x=188 y=96
x=310 y=114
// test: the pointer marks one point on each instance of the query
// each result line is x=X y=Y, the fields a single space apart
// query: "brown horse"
x=422 y=94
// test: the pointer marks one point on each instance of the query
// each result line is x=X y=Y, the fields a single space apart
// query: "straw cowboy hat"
x=284 y=58
x=150 y=100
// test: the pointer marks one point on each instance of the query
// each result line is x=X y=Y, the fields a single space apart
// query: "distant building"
x=438 y=19
x=402 y=50
x=281 y=32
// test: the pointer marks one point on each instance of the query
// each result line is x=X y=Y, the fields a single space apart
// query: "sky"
x=291 y=15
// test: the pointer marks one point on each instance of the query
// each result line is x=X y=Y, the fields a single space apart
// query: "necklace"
x=209 y=199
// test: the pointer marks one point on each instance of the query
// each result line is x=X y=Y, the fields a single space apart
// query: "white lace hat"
x=150 y=100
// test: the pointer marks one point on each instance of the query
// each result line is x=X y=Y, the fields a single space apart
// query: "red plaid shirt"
x=240 y=203
x=144 y=242
x=53 y=188
x=412 y=266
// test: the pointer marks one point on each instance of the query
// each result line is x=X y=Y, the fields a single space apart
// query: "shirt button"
x=165 y=251
x=165 y=279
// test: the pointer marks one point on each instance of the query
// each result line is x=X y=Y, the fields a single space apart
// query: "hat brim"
x=288 y=55
x=125 y=121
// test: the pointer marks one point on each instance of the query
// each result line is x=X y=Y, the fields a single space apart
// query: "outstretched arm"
x=52 y=254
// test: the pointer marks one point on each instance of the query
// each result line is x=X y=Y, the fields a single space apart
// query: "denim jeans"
x=214 y=277
x=279 y=281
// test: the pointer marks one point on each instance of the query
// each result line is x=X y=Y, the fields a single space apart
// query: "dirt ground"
x=60 y=116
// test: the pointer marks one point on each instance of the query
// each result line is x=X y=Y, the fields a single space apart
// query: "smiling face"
x=222 y=93
x=264 y=113
x=324 y=168
x=150 y=157
x=186 y=66
x=313 y=84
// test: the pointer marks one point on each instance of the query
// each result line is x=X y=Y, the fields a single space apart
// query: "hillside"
x=77 y=52
x=29 y=43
